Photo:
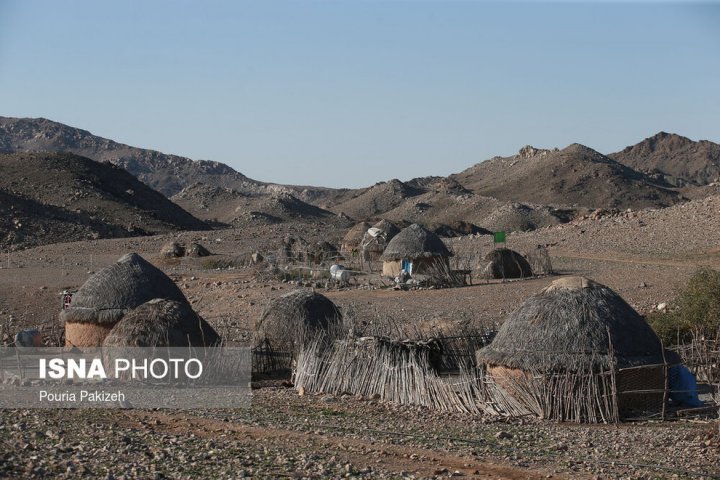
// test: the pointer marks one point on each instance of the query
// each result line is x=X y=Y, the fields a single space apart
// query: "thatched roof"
x=388 y=228
x=565 y=327
x=322 y=251
x=505 y=263
x=294 y=248
x=172 y=250
x=290 y=317
x=415 y=242
x=196 y=250
x=162 y=323
x=355 y=235
x=113 y=291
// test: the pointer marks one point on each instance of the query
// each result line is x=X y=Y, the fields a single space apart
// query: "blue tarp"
x=683 y=387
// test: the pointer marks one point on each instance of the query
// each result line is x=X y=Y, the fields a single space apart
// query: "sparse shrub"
x=695 y=313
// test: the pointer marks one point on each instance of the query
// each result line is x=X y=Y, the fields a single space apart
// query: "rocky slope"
x=674 y=159
x=166 y=173
x=532 y=189
x=226 y=206
x=49 y=198
x=576 y=175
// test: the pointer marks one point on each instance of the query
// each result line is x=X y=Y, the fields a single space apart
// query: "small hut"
x=414 y=250
x=172 y=250
x=162 y=323
x=109 y=294
x=290 y=318
x=196 y=250
x=376 y=239
x=505 y=263
x=294 y=249
x=577 y=326
x=322 y=252
x=350 y=244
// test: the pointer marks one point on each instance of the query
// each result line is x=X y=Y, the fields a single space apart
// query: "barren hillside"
x=49 y=198
x=674 y=159
x=377 y=200
x=576 y=175
x=166 y=173
x=230 y=207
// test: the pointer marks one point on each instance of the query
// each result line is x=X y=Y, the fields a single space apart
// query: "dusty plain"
x=644 y=255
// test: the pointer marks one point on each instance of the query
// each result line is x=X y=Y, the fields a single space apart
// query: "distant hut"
x=576 y=325
x=109 y=294
x=376 y=238
x=294 y=249
x=350 y=244
x=162 y=323
x=415 y=250
x=290 y=318
x=196 y=250
x=172 y=250
x=322 y=252
x=505 y=263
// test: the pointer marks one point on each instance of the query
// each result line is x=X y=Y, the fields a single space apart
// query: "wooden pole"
x=667 y=382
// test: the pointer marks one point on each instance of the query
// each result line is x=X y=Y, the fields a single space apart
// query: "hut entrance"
x=406 y=266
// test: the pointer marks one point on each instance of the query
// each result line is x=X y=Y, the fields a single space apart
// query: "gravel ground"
x=645 y=256
x=286 y=435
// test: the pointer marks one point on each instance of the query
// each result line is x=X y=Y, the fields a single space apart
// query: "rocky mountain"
x=229 y=207
x=53 y=197
x=575 y=176
x=376 y=200
x=166 y=173
x=532 y=189
x=674 y=159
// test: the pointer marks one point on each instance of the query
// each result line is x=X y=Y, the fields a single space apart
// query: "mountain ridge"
x=53 y=192
x=674 y=159
x=534 y=188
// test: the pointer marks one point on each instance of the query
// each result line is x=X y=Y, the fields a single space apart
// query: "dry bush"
x=695 y=313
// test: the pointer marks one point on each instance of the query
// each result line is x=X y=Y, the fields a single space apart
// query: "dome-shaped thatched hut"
x=294 y=249
x=109 y=294
x=577 y=325
x=350 y=243
x=414 y=250
x=376 y=238
x=196 y=250
x=505 y=263
x=172 y=250
x=322 y=252
x=162 y=323
x=290 y=318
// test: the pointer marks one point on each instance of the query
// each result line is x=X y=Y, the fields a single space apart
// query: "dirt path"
x=397 y=458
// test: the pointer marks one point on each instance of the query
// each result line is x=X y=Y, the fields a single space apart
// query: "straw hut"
x=322 y=252
x=162 y=323
x=350 y=244
x=172 y=250
x=196 y=250
x=578 y=326
x=414 y=250
x=292 y=317
x=376 y=238
x=109 y=294
x=505 y=263
x=294 y=249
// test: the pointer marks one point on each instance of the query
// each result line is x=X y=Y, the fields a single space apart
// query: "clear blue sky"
x=348 y=93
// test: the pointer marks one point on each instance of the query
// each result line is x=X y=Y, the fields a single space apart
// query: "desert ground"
x=645 y=256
